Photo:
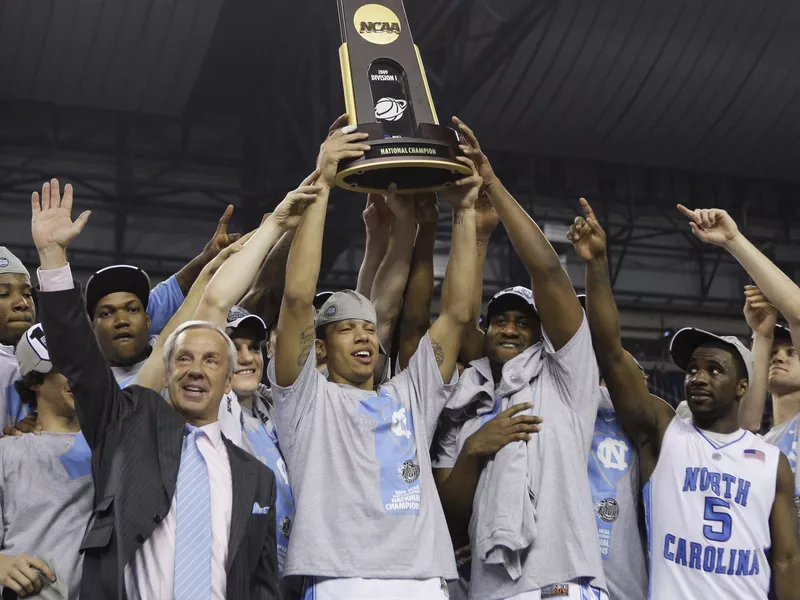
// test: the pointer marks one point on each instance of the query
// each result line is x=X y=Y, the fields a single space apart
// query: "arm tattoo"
x=458 y=218
x=307 y=338
x=438 y=353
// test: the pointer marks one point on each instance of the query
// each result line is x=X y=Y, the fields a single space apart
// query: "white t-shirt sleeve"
x=573 y=368
x=421 y=386
x=293 y=403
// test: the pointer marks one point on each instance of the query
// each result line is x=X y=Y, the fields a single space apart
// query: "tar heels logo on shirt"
x=612 y=453
x=396 y=453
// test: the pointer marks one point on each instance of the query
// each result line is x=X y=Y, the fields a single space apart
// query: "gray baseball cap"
x=688 y=339
x=10 y=264
x=238 y=317
x=346 y=305
x=32 y=354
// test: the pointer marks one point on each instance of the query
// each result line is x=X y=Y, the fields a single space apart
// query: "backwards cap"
x=32 y=353
x=10 y=264
x=344 y=306
x=117 y=278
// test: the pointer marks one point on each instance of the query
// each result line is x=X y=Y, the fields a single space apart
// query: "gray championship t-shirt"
x=365 y=501
x=614 y=480
x=566 y=546
x=785 y=436
x=46 y=498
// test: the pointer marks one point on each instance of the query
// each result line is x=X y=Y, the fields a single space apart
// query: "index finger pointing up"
x=222 y=226
x=587 y=210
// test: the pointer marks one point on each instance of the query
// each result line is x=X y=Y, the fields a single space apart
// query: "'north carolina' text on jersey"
x=708 y=512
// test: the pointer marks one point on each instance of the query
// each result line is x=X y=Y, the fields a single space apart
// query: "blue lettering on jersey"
x=77 y=461
x=395 y=450
x=721 y=484
x=711 y=559
x=609 y=460
x=265 y=449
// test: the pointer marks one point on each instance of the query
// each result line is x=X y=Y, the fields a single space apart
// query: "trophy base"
x=420 y=164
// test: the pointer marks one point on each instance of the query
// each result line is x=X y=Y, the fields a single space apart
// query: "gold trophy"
x=386 y=94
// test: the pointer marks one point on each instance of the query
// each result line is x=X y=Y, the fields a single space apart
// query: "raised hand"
x=221 y=238
x=760 y=315
x=472 y=148
x=465 y=192
x=586 y=235
x=502 y=430
x=377 y=216
x=401 y=207
x=711 y=225
x=52 y=226
x=426 y=209
x=486 y=217
x=289 y=212
x=341 y=144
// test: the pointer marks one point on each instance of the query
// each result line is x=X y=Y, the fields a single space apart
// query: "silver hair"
x=172 y=341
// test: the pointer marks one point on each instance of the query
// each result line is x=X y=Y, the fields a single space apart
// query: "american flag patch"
x=757 y=454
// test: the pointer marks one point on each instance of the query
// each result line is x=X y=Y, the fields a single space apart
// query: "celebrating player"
x=368 y=521
x=716 y=497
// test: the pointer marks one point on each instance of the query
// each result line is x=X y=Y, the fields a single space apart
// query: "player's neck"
x=50 y=421
x=727 y=424
x=785 y=407
x=246 y=401
x=367 y=385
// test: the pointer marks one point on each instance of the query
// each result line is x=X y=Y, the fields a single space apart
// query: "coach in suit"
x=179 y=510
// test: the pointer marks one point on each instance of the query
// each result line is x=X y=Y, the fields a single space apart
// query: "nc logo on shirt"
x=611 y=453
x=400 y=423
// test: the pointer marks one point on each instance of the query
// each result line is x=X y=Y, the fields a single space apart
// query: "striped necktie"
x=193 y=533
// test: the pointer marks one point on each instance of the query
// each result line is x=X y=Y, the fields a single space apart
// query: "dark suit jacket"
x=136 y=440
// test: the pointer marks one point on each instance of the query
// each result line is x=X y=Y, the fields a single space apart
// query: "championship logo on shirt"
x=395 y=451
x=609 y=461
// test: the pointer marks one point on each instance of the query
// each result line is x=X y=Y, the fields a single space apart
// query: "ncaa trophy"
x=386 y=94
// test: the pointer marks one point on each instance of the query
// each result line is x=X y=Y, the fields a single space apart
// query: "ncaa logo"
x=376 y=24
x=389 y=109
x=331 y=310
x=607 y=510
x=4 y=262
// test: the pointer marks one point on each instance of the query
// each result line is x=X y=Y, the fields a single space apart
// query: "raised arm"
x=415 y=318
x=295 y=333
x=264 y=296
x=761 y=316
x=556 y=302
x=447 y=331
x=151 y=375
x=378 y=223
x=218 y=242
x=392 y=276
x=233 y=279
x=73 y=347
x=785 y=552
x=643 y=416
x=486 y=220
x=717 y=227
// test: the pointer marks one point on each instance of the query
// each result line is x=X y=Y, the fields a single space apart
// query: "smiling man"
x=17 y=313
x=368 y=521
x=180 y=512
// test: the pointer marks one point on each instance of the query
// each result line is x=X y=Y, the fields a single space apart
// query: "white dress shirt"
x=150 y=575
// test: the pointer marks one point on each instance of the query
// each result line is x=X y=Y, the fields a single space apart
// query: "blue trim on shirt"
x=77 y=460
x=700 y=431
x=165 y=300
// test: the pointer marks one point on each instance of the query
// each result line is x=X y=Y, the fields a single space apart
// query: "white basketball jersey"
x=707 y=511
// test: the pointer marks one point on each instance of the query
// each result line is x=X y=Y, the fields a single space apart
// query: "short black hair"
x=25 y=389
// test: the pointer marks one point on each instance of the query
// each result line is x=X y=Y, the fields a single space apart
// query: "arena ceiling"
x=704 y=85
